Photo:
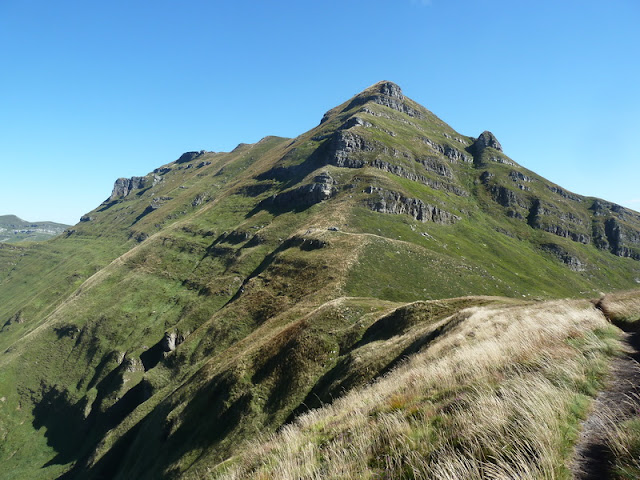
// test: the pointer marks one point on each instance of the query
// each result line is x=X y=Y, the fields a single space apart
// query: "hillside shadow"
x=288 y=177
x=70 y=431
x=64 y=423
x=346 y=375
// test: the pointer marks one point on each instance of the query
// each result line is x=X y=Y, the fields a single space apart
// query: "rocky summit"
x=225 y=295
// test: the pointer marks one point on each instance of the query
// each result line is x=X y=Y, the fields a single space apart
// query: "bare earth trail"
x=616 y=403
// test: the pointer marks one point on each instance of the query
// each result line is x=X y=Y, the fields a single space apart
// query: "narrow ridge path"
x=617 y=402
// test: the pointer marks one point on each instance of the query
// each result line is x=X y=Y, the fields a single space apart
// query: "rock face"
x=506 y=197
x=322 y=188
x=349 y=150
x=562 y=231
x=453 y=154
x=432 y=164
x=548 y=218
x=168 y=342
x=571 y=261
x=561 y=220
x=355 y=122
x=612 y=229
x=391 y=89
x=486 y=139
x=565 y=194
x=158 y=202
x=123 y=187
x=519 y=177
x=386 y=201
x=190 y=156
x=383 y=93
x=390 y=95
x=622 y=241
x=343 y=145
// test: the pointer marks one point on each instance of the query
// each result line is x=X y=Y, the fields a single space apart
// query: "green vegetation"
x=227 y=296
x=14 y=229
x=496 y=404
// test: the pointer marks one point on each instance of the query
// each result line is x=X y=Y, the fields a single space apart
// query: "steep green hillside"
x=476 y=400
x=14 y=229
x=223 y=294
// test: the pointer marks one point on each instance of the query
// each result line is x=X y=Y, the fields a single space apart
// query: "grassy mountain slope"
x=480 y=400
x=14 y=229
x=223 y=294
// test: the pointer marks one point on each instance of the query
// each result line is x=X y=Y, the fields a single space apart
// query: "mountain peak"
x=385 y=87
x=384 y=93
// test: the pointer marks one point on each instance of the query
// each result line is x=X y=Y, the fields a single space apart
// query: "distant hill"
x=14 y=229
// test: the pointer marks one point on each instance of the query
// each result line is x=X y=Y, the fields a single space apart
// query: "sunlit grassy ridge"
x=179 y=321
x=497 y=395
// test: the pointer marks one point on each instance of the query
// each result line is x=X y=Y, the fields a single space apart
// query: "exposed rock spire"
x=486 y=139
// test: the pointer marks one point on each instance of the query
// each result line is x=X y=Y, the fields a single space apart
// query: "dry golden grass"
x=494 y=398
x=622 y=308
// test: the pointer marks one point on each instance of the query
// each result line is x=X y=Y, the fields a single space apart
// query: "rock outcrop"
x=322 y=188
x=157 y=202
x=453 y=154
x=344 y=145
x=384 y=93
x=190 y=156
x=507 y=197
x=480 y=145
x=348 y=150
x=565 y=194
x=169 y=341
x=538 y=214
x=563 y=224
x=622 y=241
x=386 y=201
x=355 y=122
x=486 y=140
x=519 y=176
x=571 y=261
x=432 y=164
x=124 y=186
x=563 y=231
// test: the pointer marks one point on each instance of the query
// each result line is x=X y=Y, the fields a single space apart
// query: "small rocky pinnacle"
x=383 y=93
x=486 y=139
x=391 y=89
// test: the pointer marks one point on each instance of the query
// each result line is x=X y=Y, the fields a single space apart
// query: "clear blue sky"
x=91 y=91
